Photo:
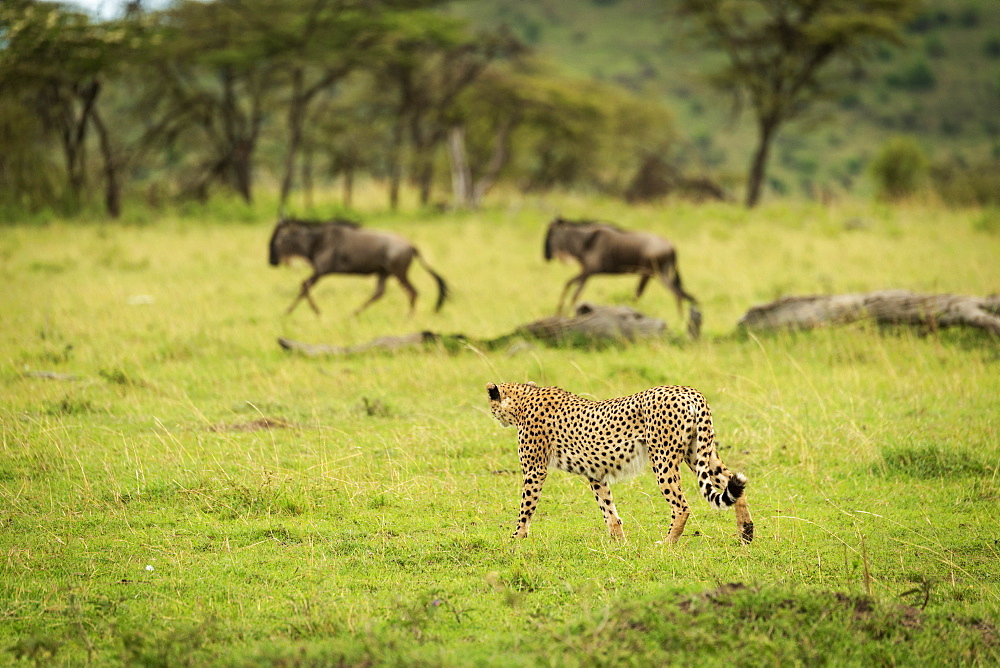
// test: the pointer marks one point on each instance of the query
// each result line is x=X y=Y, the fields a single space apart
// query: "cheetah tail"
x=734 y=490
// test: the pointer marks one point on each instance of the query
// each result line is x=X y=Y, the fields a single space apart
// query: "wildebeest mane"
x=549 y=251
x=585 y=222
x=343 y=222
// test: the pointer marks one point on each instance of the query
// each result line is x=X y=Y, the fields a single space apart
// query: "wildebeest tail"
x=442 y=286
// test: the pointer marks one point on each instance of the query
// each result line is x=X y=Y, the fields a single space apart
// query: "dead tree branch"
x=888 y=307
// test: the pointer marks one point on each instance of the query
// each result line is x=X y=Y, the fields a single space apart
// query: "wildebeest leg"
x=642 y=285
x=379 y=291
x=411 y=291
x=580 y=280
x=668 y=276
x=304 y=293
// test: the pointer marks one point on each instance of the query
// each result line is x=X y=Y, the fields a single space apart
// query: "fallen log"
x=592 y=323
x=887 y=307
x=589 y=325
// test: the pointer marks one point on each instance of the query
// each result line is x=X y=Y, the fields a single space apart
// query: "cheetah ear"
x=531 y=383
x=494 y=393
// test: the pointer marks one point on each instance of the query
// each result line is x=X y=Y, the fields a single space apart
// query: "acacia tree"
x=212 y=85
x=428 y=59
x=55 y=63
x=318 y=43
x=782 y=54
x=315 y=44
x=351 y=132
x=544 y=129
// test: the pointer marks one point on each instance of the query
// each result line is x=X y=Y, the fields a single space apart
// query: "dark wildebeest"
x=603 y=248
x=344 y=247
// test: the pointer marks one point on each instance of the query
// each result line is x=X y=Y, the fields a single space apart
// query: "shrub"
x=988 y=221
x=960 y=184
x=900 y=168
x=916 y=77
x=992 y=47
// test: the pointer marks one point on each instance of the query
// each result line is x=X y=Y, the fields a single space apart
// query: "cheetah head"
x=504 y=402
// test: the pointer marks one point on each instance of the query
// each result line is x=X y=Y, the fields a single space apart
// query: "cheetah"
x=612 y=440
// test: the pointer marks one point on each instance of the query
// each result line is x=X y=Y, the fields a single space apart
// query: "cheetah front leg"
x=534 y=478
x=668 y=475
x=607 y=504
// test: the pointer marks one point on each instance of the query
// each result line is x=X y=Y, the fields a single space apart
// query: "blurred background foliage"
x=638 y=99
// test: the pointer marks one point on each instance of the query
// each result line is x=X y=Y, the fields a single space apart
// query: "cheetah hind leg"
x=603 y=494
x=668 y=476
x=735 y=484
x=722 y=478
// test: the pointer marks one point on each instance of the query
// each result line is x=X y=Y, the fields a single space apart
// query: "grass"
x=177 y=489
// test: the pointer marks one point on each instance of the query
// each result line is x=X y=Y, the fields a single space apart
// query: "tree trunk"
x=496 y=163
x=241 y=169
x=296 y=113
x=72 y=128
x=425 y=178
x=112 y=185
x=348 y=176
x=470 y=193
x=460 y=176
x=758 y=168
x=307 y=178
x=396 y=167
x=888 y=307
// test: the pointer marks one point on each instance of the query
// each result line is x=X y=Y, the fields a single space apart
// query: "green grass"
x=300 y=511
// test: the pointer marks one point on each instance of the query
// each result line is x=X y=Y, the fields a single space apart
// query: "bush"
x=900 y=168
x=959 y=184
x=917 y=77
x=992 y=47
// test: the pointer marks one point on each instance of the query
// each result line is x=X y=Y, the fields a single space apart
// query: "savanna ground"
x=177 y=489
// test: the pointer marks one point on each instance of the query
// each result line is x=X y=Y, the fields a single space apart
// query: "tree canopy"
x=784 y=56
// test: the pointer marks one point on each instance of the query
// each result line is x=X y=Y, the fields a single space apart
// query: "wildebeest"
x=603 y=248
x=344 y=247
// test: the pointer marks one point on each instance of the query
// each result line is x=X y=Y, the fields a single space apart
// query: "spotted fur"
x=612 y=440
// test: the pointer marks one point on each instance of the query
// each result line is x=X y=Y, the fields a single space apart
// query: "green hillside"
x=942 y=87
